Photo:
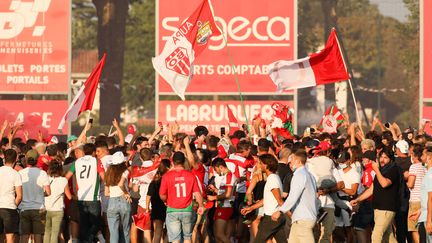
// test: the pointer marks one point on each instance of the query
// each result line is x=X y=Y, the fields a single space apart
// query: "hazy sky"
x=392 y=8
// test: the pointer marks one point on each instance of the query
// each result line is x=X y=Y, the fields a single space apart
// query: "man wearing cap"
x=404 y=162
x=36 y=186
x=328 y=182
x=72 y=143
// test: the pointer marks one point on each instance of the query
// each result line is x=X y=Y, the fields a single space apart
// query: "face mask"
x=343 y=166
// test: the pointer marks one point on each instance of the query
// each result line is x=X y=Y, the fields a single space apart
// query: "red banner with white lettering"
x=213 y=114
x=34 y=46
x=37 y=115
x=258 y=33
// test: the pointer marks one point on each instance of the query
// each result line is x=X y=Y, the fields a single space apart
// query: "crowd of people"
x=248 y=185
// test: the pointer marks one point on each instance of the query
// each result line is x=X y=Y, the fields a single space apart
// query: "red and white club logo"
x=178 y=61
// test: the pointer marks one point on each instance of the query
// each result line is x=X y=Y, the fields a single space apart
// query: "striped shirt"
x=419 y=171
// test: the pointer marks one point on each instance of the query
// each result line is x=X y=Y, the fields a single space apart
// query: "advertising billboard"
x=36 y=115
x=213 y=114
x=34 y=46
x=257 y=33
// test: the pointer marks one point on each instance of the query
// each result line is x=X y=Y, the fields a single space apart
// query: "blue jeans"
x=90 y=219
x=178 y=223
x=119 y=211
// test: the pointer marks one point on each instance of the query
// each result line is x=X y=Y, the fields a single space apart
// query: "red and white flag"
x=233 y=123
x=331 y=120
x=84 y=98
x=144 y=175
x=323 y=67
x=175 y=63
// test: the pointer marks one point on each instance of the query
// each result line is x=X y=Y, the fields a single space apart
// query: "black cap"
x=343 y=157
x=371 y=155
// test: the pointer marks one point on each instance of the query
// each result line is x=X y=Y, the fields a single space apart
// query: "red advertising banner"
x=37 y=115
x=257 y=32
x=427 y=114
x=427 y=49
x=212 y=114
x=34 y=46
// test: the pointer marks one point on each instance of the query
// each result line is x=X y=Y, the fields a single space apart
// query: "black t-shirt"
x=285 y=173
x=158 y=206
x=387 y=198
x=404 y=163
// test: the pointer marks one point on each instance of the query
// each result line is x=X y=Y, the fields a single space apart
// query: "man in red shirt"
x=178 y=187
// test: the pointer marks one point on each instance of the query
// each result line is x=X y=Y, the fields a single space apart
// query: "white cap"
x=128 y=138
x=403 y=146
x=117 y=158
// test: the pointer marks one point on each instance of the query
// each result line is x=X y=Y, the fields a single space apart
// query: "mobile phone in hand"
x=222 y=131
x=91 y=120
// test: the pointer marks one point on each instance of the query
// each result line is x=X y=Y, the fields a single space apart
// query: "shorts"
x=364 y=217
x=147 y=225
x=412 y=224
x=73 y=211
x=223 y=213
x=32 y=222
x=178 y=223
x=9 y=221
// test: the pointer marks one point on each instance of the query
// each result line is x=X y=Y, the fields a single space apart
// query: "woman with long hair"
x=119 y=208
x=158 y=208
x=54 y=203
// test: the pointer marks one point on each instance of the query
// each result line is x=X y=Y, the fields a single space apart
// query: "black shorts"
x=9 y=221
x=238 y=205
x=32 y=222
x=73 y=212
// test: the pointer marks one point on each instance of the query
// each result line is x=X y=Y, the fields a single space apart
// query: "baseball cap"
x=312 y=143
x=117 y=158
x=52 y=139
x=322 y=146
x=71 y=138
x=343 y=157
x=370 y=155
x=32 y=154
x=403 y=146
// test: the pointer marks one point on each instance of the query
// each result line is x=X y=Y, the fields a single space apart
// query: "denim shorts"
x=179 y=225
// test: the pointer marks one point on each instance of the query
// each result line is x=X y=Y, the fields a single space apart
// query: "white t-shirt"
x=33 y=182
x=270 y=203
x=10 y=179
x=54 y=202
x=116 y=191
x=349 y=178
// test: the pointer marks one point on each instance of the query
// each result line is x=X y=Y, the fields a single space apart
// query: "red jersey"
x=368 y=178
x=178 y=185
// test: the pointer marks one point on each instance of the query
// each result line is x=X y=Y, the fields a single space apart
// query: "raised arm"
x=116 y=125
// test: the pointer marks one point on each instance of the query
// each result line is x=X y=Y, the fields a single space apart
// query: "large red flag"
x=323 y=67
x=84 y=98
x=175 y=62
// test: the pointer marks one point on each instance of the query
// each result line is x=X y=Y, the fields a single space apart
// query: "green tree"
x=84 y=25
x=139 y=85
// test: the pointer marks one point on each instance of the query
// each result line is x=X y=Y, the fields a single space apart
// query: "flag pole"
x=350 y=84
x=236 y=79
x=233 y=69
x=342 y=50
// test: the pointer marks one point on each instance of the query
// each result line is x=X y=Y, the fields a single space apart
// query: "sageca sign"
x=22 y=15
x=257 y=32
x=262 y=31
